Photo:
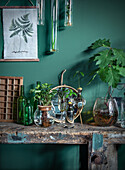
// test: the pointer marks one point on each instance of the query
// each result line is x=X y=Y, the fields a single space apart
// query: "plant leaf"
x=102 y=73
x=121 y=70
x=119 y=55
x=23 y=21
x=100 y=43
x=92 y=79
x=104 y=58
x=24 y=36
x=82 y=74
x=15 y=33
x=112 y=77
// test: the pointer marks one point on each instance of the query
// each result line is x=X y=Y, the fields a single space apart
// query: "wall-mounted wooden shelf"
x=9 y=92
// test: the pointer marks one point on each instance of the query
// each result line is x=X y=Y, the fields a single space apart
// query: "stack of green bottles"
x=24 y=109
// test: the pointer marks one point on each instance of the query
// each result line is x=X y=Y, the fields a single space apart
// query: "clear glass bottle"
x=54 y=25
x=68 y=13
x=21 y=103
x=79 y=98
x=69 y=121
x=28 y=115
x=41 y=11
x=123 y=112
x=37 y=102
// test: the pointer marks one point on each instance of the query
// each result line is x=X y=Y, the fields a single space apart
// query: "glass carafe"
x=105 y=111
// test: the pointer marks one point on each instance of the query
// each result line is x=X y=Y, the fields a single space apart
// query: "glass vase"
x=68 y=13
x=54 y=25
x=105 y=111
x=40 y=12
x=42 y=116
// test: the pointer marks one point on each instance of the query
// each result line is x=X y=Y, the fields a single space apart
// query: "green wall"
x=91 y=20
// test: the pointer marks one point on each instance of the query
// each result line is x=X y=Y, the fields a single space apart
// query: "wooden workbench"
x=101 y=141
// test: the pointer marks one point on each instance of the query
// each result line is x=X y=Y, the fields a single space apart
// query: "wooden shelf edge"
x=9 y=121
x=25 y=7
x=11 y=60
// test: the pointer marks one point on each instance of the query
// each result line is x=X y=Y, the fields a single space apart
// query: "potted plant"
x=110 y=67
x=44 y=96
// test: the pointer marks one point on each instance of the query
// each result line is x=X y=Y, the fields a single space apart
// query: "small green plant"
x=42 y=93
x=79 y=74
x=70 y=93
x=63 y=92
x=110 y=63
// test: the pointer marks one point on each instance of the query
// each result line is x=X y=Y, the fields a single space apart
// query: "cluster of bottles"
x=73 y=107
x=24 y=109
x=28 y=113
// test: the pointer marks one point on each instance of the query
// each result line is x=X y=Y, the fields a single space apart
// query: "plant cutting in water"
x=54 y=15
x=68 y=12
x=79 y=75
x=110 y=67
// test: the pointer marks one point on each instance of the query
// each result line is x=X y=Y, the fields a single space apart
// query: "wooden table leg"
x=101 y=156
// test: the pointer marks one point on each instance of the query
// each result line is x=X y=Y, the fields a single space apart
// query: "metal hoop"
x=78 y=111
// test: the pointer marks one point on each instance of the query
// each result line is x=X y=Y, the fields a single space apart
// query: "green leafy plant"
x=70 y=93
x=79 y=74
x=66 y=93
x=43 y=94
x=110 y=63
x=22 y=27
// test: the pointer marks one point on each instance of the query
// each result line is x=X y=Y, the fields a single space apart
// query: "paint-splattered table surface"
x=80 y=134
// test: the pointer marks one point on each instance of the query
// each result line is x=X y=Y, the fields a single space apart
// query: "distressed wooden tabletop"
x=80 y=134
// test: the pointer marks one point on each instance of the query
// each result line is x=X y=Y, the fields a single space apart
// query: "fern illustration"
x=22 y=27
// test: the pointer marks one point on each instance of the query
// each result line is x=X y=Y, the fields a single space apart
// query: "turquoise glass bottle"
x=21 y=103
x=28 y=115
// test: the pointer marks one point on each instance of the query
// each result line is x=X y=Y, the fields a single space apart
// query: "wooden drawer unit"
x=9 y=92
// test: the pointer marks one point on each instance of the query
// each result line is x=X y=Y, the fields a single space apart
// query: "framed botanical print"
x=20 y=33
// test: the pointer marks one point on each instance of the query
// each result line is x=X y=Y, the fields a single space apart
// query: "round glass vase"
x=42 y=116
x=105 y=111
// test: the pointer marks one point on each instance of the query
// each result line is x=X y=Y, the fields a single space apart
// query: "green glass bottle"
x=28 y=115
x=21 y=102
x=37 y=102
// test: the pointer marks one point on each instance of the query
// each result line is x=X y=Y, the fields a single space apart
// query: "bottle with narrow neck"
x=28 y=115
x=21 y=102
x=37 y=102
x=79 y=98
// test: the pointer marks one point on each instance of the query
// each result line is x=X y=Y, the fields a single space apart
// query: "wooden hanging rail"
x=17 y=7
x=5 y=6
x=8 y=60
